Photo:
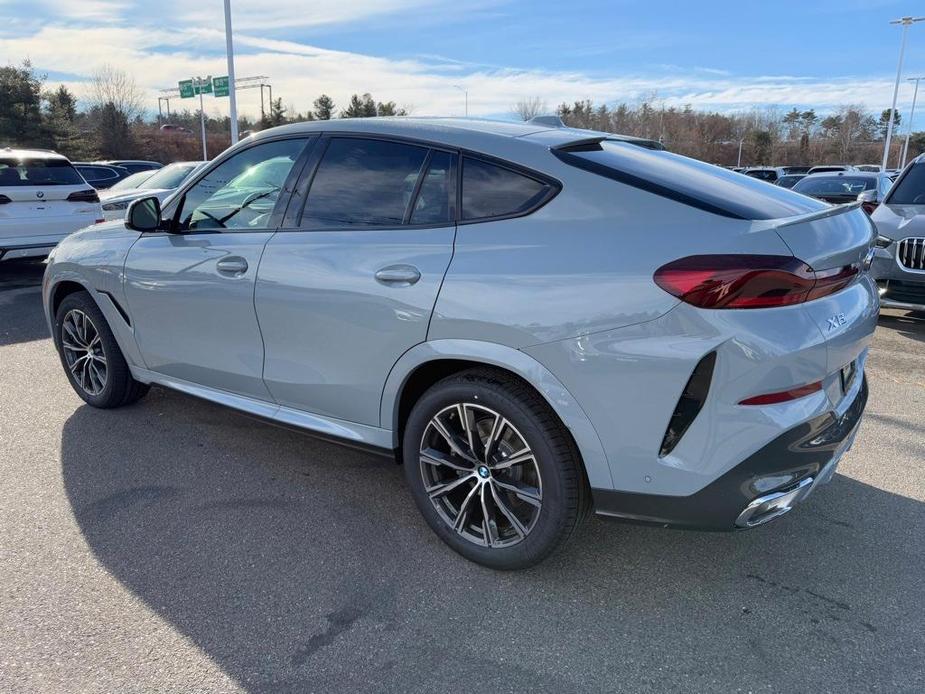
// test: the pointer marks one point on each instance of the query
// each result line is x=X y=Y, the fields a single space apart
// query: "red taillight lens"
x=748 y=281
x=784 y=395
x=84 y=196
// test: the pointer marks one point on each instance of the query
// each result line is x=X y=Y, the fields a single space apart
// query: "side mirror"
x=867 y=196
x=144 y=215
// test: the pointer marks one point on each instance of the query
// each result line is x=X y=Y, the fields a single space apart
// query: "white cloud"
x=299 y=72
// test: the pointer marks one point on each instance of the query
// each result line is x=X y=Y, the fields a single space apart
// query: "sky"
x=713 y=54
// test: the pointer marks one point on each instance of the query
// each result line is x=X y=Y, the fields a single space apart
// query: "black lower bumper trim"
x=802 y=452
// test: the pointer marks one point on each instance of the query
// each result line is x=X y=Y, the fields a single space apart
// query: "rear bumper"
x=803 y=458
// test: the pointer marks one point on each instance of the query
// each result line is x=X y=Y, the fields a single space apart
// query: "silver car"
x=899 y=267
x=537 y=321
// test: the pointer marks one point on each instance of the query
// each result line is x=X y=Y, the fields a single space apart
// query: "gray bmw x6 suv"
x=538 y=321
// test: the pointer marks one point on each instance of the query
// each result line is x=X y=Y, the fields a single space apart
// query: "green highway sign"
x=220 y=86
x=186 y=89
x=204 y=86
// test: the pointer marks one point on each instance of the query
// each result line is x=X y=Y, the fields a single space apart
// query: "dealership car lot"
x=176 y=545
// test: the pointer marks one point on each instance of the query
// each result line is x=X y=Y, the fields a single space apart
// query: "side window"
x=242 y=191
x=493 y=191
x=436 y=201
x=362 y=182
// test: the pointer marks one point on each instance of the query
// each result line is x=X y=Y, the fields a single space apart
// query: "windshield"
x=168 y=178
x=910 y=189
x=38 y=172
x=133 y=181
x=835 y=185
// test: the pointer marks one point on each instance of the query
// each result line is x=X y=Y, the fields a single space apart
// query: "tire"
x=520 y=461
x=102 y=379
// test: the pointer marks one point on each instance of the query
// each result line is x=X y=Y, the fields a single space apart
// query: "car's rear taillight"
x=84 y=196
x=749 y=281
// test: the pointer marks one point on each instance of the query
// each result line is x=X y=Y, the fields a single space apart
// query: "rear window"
x=835 y=185
x=496 y=191
x=171 y=176
x=910 y=189
x=38 y=172
x=97 y=174
x=695 y=183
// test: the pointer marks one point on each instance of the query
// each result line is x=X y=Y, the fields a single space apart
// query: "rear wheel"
x=493 y=471
x=92 y=360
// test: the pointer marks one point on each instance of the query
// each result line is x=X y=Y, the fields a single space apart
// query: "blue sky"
x=718 y=54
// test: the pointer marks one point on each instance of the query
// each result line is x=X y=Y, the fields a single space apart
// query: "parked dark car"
x=847 y=186
x=899 y=262
x=769 y=174
x=101 y=176
x=790 y=180
x=134 y=165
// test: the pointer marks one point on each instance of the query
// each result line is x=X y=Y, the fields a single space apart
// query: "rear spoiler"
x=809 y=216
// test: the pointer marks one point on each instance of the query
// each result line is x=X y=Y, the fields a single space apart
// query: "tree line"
x=769 y=136
x=111 y=124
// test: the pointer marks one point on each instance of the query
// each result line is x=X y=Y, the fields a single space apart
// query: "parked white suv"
x=43 y=198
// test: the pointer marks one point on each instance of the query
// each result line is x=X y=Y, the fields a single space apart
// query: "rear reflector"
x=749 y=281
x=84 y=196
x=784 y=395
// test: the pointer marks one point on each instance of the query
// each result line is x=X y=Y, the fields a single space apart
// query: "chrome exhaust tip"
x=770 y=506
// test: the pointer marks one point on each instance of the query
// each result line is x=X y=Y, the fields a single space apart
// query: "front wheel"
x=493 y=470
x=91 y=357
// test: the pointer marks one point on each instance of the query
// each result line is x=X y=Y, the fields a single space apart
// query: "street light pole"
x=229 y=49
x=915 y=95
x=466 y=93
x=906 y=22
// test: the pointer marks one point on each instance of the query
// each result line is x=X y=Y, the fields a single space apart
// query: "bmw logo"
x=484 y=472
x=40 y=195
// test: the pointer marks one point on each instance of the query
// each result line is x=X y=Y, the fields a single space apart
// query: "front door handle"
x=398 y=275
x=232 y=265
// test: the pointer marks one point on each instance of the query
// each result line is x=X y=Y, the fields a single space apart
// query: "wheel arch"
x=428 y=362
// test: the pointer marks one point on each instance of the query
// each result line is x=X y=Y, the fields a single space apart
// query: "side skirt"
x=359 y=436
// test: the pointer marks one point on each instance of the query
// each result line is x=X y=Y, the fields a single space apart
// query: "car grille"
x=906 y=292
x=912 y=254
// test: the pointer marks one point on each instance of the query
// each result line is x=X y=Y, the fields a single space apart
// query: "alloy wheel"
x=83 y=352
x=481 y=475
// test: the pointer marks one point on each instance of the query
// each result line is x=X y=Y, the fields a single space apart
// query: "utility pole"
x=915 y=95
x=229 y=49
x=906 y=22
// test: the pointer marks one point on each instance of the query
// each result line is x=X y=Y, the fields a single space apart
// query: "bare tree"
x=110 y=85
x=525 y=109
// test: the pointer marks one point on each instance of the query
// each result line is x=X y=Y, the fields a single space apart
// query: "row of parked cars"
x=44 y=196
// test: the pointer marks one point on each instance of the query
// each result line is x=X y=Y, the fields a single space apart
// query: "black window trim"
x=170 y=216
x=918 y=161
x=292 y=220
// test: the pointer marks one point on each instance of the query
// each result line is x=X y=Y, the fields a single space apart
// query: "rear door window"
x=910 y=188
x=489 y=191
x=38 y=172
x=362 y=182
x=436 y=200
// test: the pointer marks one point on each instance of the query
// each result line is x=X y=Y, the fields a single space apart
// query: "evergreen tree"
x=21 y=122
x=323 y=108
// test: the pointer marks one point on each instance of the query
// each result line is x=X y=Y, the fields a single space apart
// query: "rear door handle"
x=232 y=265
x=398 y=275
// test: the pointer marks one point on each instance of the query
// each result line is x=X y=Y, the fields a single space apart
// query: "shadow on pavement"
x=21 y=318
x=908 y=324
x=297 y=565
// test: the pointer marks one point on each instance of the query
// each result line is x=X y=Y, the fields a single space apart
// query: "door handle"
x=398 y=275
x=232 y=265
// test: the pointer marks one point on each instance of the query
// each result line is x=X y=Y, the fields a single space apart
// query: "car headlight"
x=115 y=206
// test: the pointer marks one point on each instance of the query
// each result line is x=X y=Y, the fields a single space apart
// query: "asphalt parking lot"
x=178 y=546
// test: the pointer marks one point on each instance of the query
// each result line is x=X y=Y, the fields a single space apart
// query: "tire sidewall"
x=544 y=536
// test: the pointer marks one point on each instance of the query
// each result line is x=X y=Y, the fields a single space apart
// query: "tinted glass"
x=436 y=201
x=692 y=182
x=493 y=191
x=363 y=183
x=226 y=199
x=97 y=174
x=168 y=178
x=910 y=189
x=38 y=172
x=835 y=185
x=789 y=181
x=135 y=168
x=763 y=175
x=133 y=181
